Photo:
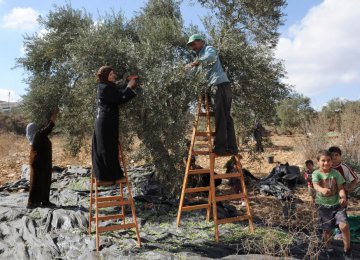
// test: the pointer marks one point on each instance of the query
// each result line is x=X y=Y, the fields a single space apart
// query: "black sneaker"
x=348 y=255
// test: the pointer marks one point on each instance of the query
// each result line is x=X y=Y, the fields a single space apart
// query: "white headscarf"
x=31 y=130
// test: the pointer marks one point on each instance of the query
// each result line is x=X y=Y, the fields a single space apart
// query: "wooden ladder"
x=102 y=202
x=230 y=197
x=213 y=199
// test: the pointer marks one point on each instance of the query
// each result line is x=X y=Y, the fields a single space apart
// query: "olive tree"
x=62 y=64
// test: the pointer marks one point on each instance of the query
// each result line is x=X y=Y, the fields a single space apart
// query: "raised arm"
x=45 y=131
x=209 y=57
x=115 y=95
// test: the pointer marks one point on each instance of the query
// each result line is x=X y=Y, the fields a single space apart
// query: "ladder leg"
x=135 y=220
x=186 y=176
x=244 y=191
x=97 y=216
x=133 y=212
x=121 y=160
x=208 y=123
x=212 y=189
x=181 y=202
x=91 y=202
x=208 y=129
x=208 y=213
x=122 y=195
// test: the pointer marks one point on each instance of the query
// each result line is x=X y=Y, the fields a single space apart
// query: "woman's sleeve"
x=115 y=95
x=47 y=129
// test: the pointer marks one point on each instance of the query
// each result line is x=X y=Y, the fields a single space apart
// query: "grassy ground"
x=273 y=230
x=14 y=151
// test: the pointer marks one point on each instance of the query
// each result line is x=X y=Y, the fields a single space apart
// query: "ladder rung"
x=199 y=171
x=229 y=197
x=113 y=203
x=110 y=183
x=108 y=198
x=204 y=134
x=108 y=217
x=200 y=206
x=227 y=175
x=201 y=152
x=204 y=113
x=231 y=220
x=199 y=189
x=116 y=227
x=224 y=155
x=202 y=145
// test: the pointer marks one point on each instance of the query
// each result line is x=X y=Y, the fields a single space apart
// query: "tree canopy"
x=62 y=63
x=294 y=112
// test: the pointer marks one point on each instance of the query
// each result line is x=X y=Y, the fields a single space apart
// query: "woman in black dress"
x=40 y=163
x=105 y=153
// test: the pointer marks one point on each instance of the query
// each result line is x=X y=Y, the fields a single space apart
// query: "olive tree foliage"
x=54 y=81
x=245 y=34
x=62 y=63
x=295 y=113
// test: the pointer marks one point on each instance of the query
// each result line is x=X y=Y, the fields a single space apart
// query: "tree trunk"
x=166 y=173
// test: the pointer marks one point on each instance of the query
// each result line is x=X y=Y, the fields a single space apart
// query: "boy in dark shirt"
x=308 y=177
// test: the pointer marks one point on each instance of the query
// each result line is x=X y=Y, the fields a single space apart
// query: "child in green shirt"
x=331 y=200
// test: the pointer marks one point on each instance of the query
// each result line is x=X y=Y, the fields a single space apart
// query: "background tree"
x=62 y=65
x=295 y=112
x=332 y=111
x=333 y=107
x=347 y=135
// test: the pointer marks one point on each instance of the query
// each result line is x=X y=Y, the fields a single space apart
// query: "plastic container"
x=270 y=159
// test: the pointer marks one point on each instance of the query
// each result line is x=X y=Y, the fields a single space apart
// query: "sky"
x=318 y=42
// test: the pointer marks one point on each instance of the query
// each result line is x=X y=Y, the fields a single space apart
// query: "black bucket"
x=270 y=159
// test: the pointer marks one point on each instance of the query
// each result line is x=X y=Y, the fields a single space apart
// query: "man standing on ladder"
x=207 y=61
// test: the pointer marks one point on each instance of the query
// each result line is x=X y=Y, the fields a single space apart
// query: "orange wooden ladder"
x=213 y=199
x=112 y=201
x=191 y=172
x=243 y=196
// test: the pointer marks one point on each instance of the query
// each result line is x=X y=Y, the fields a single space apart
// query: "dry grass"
x=14 y=152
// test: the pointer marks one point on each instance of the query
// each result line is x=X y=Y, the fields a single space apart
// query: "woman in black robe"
x=105 y=153
x=40 y=163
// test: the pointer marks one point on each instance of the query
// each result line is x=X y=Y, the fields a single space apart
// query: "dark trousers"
x=39 y=191
x=225 y=139
x=259 y=146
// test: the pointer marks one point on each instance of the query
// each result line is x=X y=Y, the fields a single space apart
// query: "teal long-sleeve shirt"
x=211 y=65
